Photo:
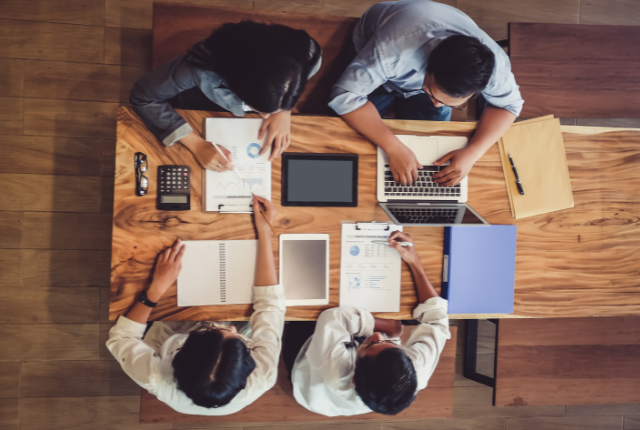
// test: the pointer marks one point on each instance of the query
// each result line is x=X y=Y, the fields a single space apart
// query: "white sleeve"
x=428 y=339
x=334 y=330
x=267 y=323
x=135 y=357
x=502 y=91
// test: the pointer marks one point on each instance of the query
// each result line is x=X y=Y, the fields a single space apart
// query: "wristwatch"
x=142 y=298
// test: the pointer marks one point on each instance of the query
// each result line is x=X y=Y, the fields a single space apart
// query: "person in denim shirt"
x=241 y=67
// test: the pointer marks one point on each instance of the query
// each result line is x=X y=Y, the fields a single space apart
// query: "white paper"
x=369 y=272
x=240 y=137
x=216 y=272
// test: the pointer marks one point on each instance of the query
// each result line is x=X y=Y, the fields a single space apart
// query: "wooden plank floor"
x=65 y=66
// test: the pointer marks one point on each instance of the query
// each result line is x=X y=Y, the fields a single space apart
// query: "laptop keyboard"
x=424 y=215
x=423 y=187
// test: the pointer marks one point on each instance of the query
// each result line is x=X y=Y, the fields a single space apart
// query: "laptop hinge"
x=423 y=202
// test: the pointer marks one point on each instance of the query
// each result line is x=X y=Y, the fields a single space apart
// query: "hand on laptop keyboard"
x=424 y=186
x=462 y=160
x=403 y=164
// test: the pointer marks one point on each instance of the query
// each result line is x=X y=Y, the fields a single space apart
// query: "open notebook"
x=217 y=272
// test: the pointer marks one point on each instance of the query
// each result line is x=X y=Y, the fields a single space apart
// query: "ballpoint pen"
x=384 y=242
x=227 y=160
x=515 y=172
x=265 y=217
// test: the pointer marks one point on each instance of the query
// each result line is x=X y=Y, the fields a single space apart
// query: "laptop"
x=425 y=203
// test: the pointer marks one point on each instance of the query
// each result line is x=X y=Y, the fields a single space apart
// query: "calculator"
x=174 y=188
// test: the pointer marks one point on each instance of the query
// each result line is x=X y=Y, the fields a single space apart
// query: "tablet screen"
x=320 y=180
x=304 y=269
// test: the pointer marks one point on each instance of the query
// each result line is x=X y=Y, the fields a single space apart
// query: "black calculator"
x=174 y=188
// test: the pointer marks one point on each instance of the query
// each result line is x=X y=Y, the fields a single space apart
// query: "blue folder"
x=478 y=275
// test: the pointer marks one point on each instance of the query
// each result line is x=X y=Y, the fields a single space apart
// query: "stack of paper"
x=537 y=149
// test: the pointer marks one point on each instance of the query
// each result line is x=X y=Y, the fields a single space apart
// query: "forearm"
x=193 y=141
x=424 y=288
x=139 y=312
x=265 y=266
x=366 y=121
x=493 y=123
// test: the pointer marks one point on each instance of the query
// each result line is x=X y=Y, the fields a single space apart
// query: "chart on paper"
x=369 y=272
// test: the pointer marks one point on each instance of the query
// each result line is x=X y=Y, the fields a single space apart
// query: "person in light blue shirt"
x=428 y=58
x=242 y=67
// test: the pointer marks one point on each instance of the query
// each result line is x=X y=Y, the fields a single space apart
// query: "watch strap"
x=142 y=298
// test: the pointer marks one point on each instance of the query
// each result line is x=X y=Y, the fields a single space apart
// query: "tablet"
x=320 y=180
x=304 y=268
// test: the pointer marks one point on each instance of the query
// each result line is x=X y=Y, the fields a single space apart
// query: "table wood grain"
x=576 y=262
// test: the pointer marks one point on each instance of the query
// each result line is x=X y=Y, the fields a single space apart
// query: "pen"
x=265 y=218
x=227 y=160
x=384 y=242
x=515 y=172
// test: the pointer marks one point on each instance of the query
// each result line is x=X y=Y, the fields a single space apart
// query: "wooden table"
x=577 y=262
x=576 y=70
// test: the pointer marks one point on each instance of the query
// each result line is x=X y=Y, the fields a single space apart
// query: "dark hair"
x=266 y=65
x=461 y=65
x=386 y=382
x=210 y=369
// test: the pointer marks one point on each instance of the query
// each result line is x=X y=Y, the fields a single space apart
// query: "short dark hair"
x=210 y=369
x=461 y=65
x=266 y=65
x=386 y=382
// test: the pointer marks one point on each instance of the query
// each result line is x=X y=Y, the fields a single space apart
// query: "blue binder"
x=479 y=265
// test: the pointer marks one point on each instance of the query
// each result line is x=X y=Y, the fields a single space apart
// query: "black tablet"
x=319 y=180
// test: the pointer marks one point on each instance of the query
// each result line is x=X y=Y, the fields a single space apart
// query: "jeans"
x=417 y=107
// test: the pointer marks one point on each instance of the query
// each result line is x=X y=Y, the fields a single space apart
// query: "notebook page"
x=240 y=262
x=199 y=279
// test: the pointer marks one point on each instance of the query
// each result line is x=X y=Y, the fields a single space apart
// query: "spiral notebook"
x=217 y=272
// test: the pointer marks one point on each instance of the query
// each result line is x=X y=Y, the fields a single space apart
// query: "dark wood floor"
x=65 y=66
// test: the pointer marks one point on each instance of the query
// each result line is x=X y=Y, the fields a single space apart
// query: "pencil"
x=266 y=219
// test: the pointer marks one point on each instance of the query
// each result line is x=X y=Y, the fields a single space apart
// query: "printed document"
x=217 y=272
x=369 y=272
x=225 y=191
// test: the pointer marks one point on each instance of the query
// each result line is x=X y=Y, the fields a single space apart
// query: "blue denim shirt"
x=151 y=93
x=393 y=41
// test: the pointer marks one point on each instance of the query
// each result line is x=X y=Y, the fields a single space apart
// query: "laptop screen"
x=436 y=214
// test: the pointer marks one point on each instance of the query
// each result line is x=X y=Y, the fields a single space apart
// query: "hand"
x=408 y=253
x=209 y=157
x=166 y=272
x=392 y=328
x=403 y=164
x=279 y=126
x=269 y=214
x=462 y=160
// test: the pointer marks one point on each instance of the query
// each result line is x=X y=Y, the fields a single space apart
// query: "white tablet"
x=304 y=268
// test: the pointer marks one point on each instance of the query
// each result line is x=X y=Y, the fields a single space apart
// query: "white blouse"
x=148 y=362
x=322 y=375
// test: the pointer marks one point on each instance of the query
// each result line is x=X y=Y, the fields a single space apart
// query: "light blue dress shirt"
x=393 y=41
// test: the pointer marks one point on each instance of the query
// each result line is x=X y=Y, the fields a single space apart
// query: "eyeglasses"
x=211 y=326
x=142 y=182
x=427 y=90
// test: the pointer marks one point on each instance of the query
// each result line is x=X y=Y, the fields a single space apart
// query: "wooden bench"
x=576 y=71
x=567 y=361
x=278 y=404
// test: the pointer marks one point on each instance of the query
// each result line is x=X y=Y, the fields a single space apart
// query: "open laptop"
x=425 y=203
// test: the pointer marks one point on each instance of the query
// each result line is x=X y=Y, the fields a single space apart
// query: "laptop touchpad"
x=425 y=148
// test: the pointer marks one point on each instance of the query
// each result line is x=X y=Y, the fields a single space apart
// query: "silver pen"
x=384 y=242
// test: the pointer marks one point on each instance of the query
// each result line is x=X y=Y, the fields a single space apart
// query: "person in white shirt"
x=198 y=367
x=337 y=374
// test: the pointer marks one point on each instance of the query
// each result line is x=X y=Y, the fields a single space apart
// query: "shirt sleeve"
x=267 y=323
x=150 y=95
x=428 y=339
x=502 y=91
x=334 y=331
x=135 y=357
x=365 y=73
